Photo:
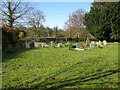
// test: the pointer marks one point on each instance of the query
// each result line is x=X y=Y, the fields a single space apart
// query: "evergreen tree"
x=103 y=19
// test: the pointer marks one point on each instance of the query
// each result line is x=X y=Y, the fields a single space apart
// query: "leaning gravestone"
x=92 y=44
x=77 y=45
x=104 y=42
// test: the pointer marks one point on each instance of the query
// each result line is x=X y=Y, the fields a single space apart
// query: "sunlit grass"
x=60 y=68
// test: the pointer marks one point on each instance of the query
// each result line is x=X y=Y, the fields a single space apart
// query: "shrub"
x=9 y=38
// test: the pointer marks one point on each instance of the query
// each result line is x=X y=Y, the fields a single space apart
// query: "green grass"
x=61 y=68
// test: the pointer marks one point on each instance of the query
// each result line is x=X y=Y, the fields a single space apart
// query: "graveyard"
x=59 y=45
x=60 y=67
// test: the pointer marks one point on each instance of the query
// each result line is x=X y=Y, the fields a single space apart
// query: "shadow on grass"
x=80 y=80
x=14 y=54
x=57 y=84
x=76 y=81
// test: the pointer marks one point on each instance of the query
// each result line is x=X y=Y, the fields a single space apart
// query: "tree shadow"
x=6 y=56
x=80 y=80
x=76 y=81
x=72 y=82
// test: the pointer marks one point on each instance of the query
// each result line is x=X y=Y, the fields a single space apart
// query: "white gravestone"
x=37 y=44
x=99 y=44
x=104 y=42
x=52 y=44
x=92 y=44
x=46 y=45
x=68 y=43
x=59 y=44
x=43 y=44
x=77 y=45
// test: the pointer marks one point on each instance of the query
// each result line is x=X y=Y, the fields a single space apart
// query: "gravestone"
x=43 y=44
x=115 y=42
x=69 y=47
x=99 y=44
x=27 y=45
x=92 y=44
x=68 y=43
x=37 y=44
x=46 y=45
x=32 y=43
x=59 y=44
x=77 y=45
x=104 y=42
x=52 y=44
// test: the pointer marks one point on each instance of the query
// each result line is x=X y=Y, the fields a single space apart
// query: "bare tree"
x=75 y=22
x=12 y=11
x=36 y=18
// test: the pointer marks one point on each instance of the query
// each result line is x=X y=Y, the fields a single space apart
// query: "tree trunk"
x=10 y=16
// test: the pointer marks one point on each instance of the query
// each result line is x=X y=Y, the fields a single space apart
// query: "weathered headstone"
x=69 y=47
x=104 y=42
x=27 y=45
x=99 y=44
x=43 y=44
x=46 y=45
x=32 y=43
x=37 y=44
x=77 y=45
x=92 y=44
x=68 y=43
x=59 y=44
x=115 y=42
x=52 y=44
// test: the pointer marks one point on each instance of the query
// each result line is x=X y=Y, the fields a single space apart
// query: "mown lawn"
x=61 y=68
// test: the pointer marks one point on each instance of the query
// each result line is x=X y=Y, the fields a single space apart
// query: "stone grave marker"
x=32 y=43
x=43 y=44
x=115 y=42
x=59 y=44
x=37 y=44
x=52 y=44
x=77 y=45
x=99 y=44
x=104 y=42
x=27 y=45
x=92 y=44
x=68 y=43
x=69 y=47
x=46 y=45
